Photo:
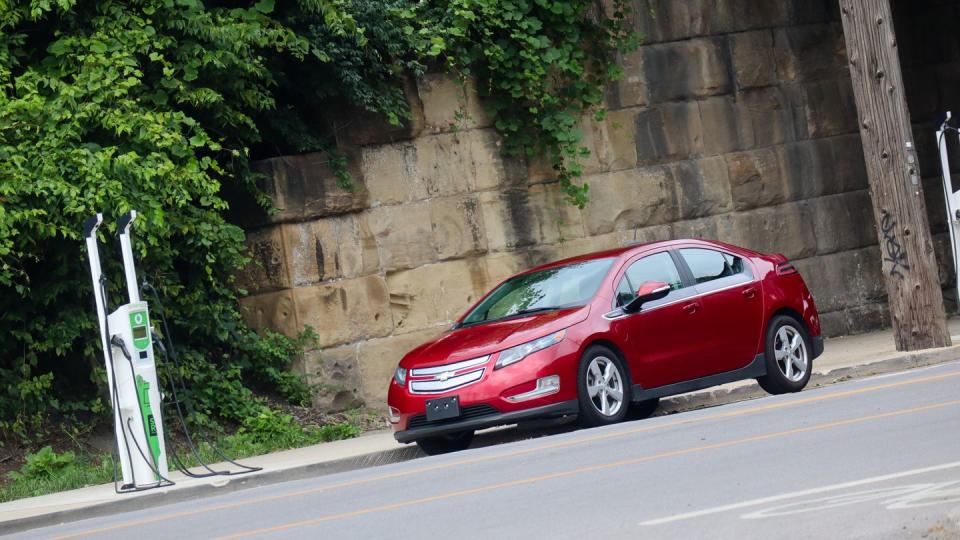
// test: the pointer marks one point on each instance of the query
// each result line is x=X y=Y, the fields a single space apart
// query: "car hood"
x=482 y=339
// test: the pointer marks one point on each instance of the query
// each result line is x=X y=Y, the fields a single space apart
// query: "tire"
x=791 y=371
x=593 y=375
x=444 y=444
x=643 y=409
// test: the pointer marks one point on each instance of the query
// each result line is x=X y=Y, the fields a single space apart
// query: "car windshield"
x=563 y=286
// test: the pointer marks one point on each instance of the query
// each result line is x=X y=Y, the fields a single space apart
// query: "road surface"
x=874 y=458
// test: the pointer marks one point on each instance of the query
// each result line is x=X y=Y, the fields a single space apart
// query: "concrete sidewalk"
x=843 y=359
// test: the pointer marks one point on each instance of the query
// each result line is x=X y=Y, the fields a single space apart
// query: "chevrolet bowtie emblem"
x=445 y=375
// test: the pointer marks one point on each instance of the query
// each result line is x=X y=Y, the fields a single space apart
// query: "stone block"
x=777 y=229
x=403 y=234
x=378 y=359
x=335 y=372
x=667 y=132
x=391 y=173
x=435 y=293
x=305 y=187
x=755 y=178
x=445 y=163
x=345 y=311
x=631 y=90
x=551 y=216
x=843 y=280
x=450 y=104
x=489 y=168
x=506 y=219
x=273 y=311
x=500 y=266
x=843 y=222
x=357 y=127
x=850 y=169
x=686 y=69
x=753 y=61
x=330 y=248
x=765 y=117
x=621 y=142
x=268 y=269
x=829 y=107
x=855 y=320
x=701 y=187
x=457 y=225
x=809 y=52
x=723 y=130
x=629 y=199
x=807 y=168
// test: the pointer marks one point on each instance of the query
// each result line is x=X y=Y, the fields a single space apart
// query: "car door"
x=660 y=338
x=732 y=308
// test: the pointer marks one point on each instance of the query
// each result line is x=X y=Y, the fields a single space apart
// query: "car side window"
x=656 y=267
x=708 y=265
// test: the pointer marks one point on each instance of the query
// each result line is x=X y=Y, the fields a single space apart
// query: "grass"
x=46 y=471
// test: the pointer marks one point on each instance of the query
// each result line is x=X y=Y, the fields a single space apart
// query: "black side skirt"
x=756 y=368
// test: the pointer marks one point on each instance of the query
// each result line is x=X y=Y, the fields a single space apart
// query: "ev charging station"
x=951 y=197
x=127 y=344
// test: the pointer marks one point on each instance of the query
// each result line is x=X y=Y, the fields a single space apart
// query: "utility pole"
x=909 y=262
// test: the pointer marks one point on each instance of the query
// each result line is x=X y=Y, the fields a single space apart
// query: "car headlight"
x=518 y=353
x=400 y=376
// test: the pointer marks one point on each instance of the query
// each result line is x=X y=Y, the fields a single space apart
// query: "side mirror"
x=648 y=292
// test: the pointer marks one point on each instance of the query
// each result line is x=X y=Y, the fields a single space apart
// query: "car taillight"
x=786 y=268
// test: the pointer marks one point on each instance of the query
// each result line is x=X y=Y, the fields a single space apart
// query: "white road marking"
x=785 y=496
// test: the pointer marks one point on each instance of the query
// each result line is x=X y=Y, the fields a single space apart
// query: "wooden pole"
x=909 y=262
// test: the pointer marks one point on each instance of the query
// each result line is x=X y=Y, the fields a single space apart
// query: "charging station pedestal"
x=952 y=200
x=127 y=343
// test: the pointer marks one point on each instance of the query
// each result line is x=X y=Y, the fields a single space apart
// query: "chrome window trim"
x=420 y=372
x=619 y=314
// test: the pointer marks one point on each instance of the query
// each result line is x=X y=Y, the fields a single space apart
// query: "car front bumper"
x=556 y=410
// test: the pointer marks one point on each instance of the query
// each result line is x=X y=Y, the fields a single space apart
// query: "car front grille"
x=466 y=413
x=440 y=379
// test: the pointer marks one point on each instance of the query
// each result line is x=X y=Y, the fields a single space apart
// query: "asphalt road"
x=875 y=458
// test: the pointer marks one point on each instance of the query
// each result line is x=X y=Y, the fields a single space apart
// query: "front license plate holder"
x=443 y=408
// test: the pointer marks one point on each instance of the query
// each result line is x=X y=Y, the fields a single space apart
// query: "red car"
x=591 y=335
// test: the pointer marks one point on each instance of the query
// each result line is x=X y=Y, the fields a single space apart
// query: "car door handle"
x=690 y=308
x=749 y=292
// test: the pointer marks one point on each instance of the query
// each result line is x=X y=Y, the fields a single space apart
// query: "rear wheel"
x=602 y=387
x=787 y=356
x=443 y=444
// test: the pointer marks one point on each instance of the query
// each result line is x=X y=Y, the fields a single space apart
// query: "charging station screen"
x=139 y=332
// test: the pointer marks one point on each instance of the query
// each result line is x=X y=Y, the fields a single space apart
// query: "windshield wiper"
x=512 y=315
x=532 y=310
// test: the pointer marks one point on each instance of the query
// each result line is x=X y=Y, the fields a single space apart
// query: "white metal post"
x=126 y=250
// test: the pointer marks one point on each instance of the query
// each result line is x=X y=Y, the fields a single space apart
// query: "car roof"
x=632 y=248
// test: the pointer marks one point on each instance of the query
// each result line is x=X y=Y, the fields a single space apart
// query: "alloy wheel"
x=790 y=350
x=605 y=386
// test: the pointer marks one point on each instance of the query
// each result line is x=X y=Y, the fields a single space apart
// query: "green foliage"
x=543 y=65
x=44 y=464
x=159 y=106
x=269 y=430
x=108 y=106
x=56 y=473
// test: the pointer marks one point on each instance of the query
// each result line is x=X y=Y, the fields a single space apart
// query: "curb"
x=687 y=402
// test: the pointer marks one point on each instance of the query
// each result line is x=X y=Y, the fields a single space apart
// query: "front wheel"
x=787 y=356
x=444 y=444
x=602 y=387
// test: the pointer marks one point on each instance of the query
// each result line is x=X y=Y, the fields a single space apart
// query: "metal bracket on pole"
x=951 y=199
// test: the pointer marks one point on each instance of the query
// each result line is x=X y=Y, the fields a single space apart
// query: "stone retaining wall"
x=735 y=121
